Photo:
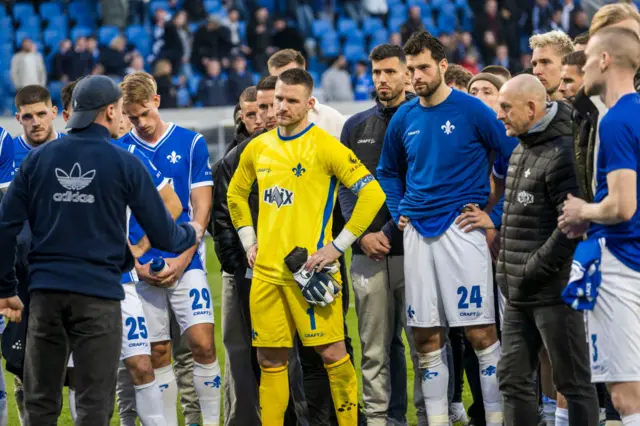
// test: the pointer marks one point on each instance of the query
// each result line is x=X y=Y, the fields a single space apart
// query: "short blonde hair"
x=556 y=38
x=612 y=14
x=138 y=88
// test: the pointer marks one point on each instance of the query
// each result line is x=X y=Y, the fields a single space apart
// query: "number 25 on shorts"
x=475 y=297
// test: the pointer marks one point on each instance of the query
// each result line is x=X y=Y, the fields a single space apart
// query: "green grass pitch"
x=215 y=286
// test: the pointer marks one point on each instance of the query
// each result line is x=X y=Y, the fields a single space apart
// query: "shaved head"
x=613 y=54
x=522 y=103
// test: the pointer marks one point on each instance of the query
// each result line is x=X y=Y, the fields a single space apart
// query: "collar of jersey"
x=290 y=138
x=28 y=147
x=154 y=146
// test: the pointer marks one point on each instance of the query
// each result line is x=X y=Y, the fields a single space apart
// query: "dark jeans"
x=315 y=378
x=60 y=322
x=561 y=330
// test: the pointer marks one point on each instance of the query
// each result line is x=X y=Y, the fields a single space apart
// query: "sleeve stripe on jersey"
x=4 y=185
x=199 y=184
x=164 y=183
x=496 y=174
x=131 y=148
x=193 y=146
x=328 y=210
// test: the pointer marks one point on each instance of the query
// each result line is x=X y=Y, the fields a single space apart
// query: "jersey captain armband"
x=361 y=183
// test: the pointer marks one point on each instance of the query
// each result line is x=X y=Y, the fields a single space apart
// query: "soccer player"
x=377 y=265
x=546 y=60
x=6 y=175
x=182 y=155
x=297 y=168
x=249 y=117
x=572 y=75
x=136 y=353
x=613 y=324
x=442 y=140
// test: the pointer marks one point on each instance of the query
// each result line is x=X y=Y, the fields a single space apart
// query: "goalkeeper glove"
x=318 y=288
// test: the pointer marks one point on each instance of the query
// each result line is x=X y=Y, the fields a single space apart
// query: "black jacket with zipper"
x=535 y=256
x=364 y=134
x=585 y=122
x=226 y=241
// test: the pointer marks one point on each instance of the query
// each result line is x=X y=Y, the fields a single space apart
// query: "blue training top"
x=619 y=133
x=445 y=151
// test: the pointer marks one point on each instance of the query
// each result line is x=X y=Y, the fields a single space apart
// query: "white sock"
x=632 y=420
x=435 y=383
x=488 y=360
x=548 y=410
x=72 y=405
x=207 y=383
x=149 y=404
x=166 y=380
x=603 y=417
x=562 y=416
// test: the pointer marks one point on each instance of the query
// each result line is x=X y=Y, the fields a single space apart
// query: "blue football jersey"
x=21 y=148
x=6 y=159
x=158 y=180
x=182 y=156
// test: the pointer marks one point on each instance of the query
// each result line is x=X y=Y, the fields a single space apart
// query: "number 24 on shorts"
x=475 y=298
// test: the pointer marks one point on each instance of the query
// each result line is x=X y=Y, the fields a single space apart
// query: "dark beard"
x=430 y=90
x=595 y=89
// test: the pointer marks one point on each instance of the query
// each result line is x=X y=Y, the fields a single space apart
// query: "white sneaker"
x=457 y=413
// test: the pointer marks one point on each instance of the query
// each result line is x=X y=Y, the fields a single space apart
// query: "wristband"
x=247 y=237
x=344 y=240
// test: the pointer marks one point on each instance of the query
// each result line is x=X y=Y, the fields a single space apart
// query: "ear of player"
x=318 y=287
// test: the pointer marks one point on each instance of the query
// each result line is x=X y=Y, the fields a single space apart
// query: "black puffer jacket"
x=585 y=121
x=535 y=256
x=226 y=241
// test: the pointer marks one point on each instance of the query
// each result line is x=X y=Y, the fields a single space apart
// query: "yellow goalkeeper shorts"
x=277 y=311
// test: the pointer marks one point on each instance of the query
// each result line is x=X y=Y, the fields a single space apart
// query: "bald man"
x=613 y=57
x=535 y=259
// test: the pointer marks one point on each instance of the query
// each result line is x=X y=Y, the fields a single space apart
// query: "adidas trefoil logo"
x=448 y=128
x=173 y=157
x=75 y=180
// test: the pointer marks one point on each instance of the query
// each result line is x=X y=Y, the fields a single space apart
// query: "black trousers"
x=60 y=322
x=315 y=378
x=562 y=332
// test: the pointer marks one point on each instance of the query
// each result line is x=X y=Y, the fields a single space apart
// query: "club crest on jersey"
x=298 y=170
x=278 y=196
x=173 y=157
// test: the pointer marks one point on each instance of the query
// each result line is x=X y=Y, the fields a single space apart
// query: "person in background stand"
x=457 y=77
x=377 y=265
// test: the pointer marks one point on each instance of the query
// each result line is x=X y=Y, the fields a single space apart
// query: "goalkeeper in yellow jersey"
x=297 y=168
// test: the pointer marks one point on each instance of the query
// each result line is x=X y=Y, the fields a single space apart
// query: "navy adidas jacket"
x=74 y=192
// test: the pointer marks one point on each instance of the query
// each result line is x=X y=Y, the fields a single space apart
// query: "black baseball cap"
x=90 y=94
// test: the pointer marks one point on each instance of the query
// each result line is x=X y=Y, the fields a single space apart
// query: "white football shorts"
x=448 y=279
x=614 y=324
x=135 y=334
x=190 y=300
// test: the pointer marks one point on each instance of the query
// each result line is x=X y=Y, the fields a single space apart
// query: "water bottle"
x=157 y=265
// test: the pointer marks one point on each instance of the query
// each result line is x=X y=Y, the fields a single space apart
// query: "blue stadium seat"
x=371 y=25
x=193 y=83
x=269 y=4
x=425 y=8
x=242 y=30
x=3 y=12
x=22 y=11
x=143 y=45
x=82 y=13
x=316 y=78
x=6 y=52
x=430 y=26
x=380 y=37
x=447 y=22
x=6 y=35
x=106 y=34
x=8 y=105
x=212 y=6
x=158 y=4
x=320 y=26
x=354 y=53
x=52 y=37
x=330 y=44
x=133 y=32
x=55 y=87
x=355 y=37
x=80 y=31
x=6 y=81
x=30 y=23
x=60 y=23
x=22 y=34
x=346 y=26
x=395 y=24
x=49 y=9
x=398 y=11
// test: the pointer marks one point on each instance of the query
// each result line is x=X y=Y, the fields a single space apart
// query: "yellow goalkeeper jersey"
x=297 y=180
